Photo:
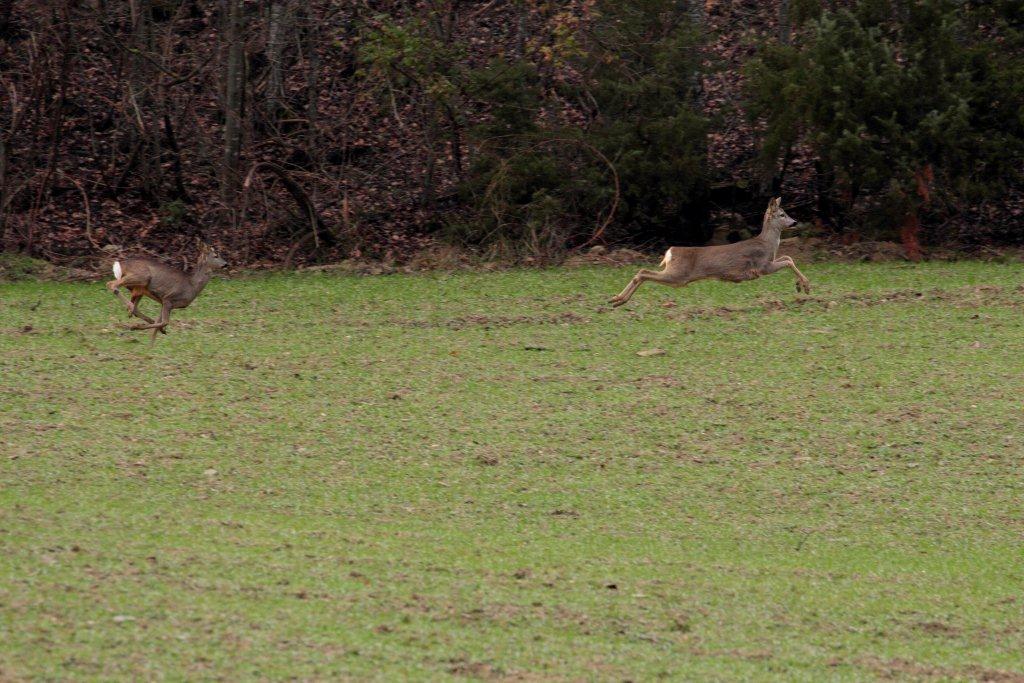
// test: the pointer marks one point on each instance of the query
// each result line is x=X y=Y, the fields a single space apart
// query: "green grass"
x=14 y=267
x=475 y=475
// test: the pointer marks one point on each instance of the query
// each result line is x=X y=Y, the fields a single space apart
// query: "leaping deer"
x=746 y=260
x=170 y=287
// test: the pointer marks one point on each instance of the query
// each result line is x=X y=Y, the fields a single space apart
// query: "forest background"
x=288 y=132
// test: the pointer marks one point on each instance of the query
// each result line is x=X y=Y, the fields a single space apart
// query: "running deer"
x=746 y=260
x=168 y=286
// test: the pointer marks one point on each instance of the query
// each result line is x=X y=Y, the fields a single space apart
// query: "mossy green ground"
x=475 y=475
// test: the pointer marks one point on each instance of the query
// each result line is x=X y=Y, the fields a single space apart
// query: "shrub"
x=916 y=103
x=635 y=171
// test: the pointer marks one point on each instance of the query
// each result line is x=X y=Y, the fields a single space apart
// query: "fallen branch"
x=317 y=225
x=294 y=248
x=172 y=141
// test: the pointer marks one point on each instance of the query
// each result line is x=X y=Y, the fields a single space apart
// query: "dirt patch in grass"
x=901 y=669
x=478 y=670
x=981 y=295
x=495 y=321
x=18 y=267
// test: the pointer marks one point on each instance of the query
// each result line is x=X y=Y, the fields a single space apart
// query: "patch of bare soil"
x=14 y=270
x=479 y=670
x=901 y=669
x=815 y=249
x=972 y=296
x=489 y=321
x=938 y=628
x=603 y=256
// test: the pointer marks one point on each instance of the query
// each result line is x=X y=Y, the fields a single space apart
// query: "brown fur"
x=167 y=285
x=746 y=260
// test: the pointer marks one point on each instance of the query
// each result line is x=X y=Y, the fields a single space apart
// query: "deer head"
x=208 y=257
x=775 y=218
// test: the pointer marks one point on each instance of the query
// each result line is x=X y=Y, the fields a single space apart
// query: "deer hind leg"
x=133 y=306
x=124 y=280
x=114 y=287
x=160 y=324
x=802 y=283
x=117 y=292
x=642 y=276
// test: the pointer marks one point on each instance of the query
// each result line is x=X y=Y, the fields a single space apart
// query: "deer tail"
x=666 y=259
x=117 y=271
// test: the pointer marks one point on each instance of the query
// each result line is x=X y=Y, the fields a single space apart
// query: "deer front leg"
x=160 y=324
x=133 y=309
x=802 y=283
x=642 y=276
x=165 y=317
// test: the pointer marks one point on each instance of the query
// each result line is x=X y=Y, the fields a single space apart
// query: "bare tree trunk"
x=911 y=229
x=772 y=184
x=3 y=194
x=277 y=27
x=312 y=82
x=172 y=142
x=141 y=97
x=233 y=92
x=696 y=14
x=909 y=235
x=456 y=126
x=428 y=174
x=443 y=18
x=313 y=112
x=45 y=185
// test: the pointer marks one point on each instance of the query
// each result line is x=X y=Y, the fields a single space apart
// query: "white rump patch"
x=117 y=270
x=668 y=257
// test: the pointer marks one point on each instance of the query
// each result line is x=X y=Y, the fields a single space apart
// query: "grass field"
x=476 y=476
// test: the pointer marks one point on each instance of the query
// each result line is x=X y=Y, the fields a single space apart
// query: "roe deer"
x=737 y=262
x=168 y=286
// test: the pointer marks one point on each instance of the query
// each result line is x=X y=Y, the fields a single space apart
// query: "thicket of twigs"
x=287 y=131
